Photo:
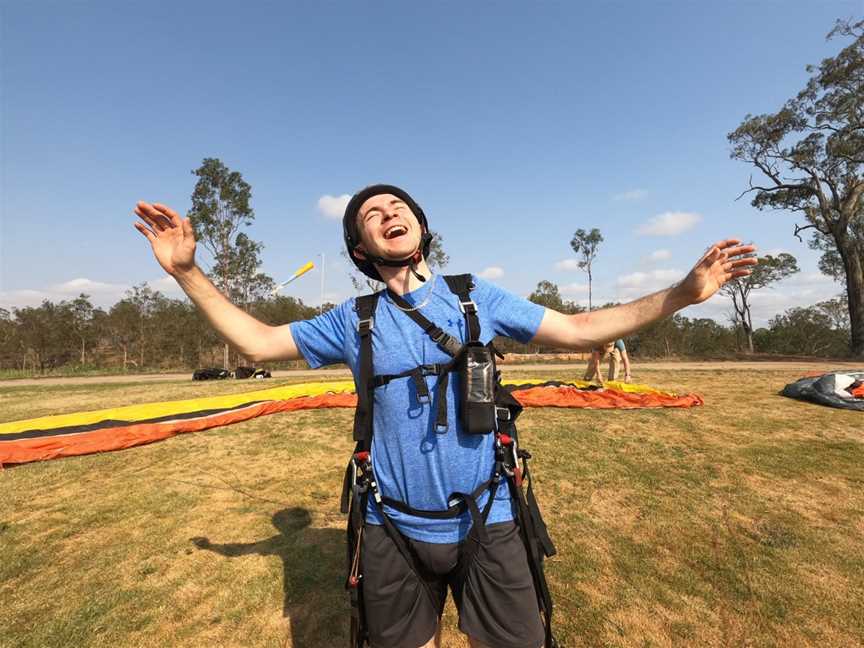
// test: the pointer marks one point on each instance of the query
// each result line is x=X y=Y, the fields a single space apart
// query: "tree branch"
x=801 y=228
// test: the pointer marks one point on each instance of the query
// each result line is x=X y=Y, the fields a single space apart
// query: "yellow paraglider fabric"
x=103 y=430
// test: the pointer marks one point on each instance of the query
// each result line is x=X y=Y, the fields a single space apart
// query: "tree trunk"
x=225 y=356
x=747 y=321
x=855 y=292
x=589 y=289
x=82 y=351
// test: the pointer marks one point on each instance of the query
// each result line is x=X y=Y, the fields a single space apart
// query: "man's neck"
x=402 y=280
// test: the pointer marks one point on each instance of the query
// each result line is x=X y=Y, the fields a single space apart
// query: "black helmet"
x=352 y=233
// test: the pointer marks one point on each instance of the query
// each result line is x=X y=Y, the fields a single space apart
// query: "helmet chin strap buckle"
x=410 y=261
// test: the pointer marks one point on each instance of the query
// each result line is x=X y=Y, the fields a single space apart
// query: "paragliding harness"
x=485 y=407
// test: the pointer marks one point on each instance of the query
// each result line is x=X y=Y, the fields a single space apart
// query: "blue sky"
x=512 y=124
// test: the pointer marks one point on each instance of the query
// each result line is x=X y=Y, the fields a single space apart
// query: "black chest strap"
x=461 y=286
x=365 y=305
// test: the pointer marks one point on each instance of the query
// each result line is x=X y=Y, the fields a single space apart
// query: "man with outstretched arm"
x=432 y=518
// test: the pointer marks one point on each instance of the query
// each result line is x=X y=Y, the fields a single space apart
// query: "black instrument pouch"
x=478 y=378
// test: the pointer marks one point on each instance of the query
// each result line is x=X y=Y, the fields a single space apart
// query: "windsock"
x=301 y=271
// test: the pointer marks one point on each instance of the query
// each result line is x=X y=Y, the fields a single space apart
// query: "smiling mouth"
x=395 y=232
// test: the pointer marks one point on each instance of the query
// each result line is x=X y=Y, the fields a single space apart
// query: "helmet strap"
x=410 y=261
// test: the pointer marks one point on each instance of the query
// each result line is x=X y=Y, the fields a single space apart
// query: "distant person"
x=616 y=352
x=434 y=486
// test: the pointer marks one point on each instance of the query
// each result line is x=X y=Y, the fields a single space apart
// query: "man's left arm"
x=724 y=261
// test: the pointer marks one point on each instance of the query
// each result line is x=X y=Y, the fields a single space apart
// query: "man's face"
x=388 y=228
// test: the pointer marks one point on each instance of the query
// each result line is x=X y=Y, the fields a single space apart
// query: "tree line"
x=147 y=331
x=143 y=331
x=822 y=329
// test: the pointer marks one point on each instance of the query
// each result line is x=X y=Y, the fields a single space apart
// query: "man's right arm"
x=251 y=337
x=173 y=243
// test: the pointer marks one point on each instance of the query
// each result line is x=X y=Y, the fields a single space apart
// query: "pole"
x=322 y=284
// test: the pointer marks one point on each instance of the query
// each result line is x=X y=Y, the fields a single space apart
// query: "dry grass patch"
x=739 y=523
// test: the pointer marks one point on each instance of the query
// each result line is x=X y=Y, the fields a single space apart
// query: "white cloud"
x=630 y=196
x=333 y=207
x=102 y=294
x=639 y=279
x=166 y=284
x=573 y=289
x=669 y=224
x=87 y=286
x=637 y=284
x=567 y=264
x=492 y=272
x=660 y=255
x=10 y=299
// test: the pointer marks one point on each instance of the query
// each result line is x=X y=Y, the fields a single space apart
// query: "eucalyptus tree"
x=810 y=154
x=220 y=210
x=771 y=269
x=585 y=246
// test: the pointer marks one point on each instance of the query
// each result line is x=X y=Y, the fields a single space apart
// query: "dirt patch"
x=521 y=366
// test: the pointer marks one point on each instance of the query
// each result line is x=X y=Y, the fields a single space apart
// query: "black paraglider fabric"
x=823 y=390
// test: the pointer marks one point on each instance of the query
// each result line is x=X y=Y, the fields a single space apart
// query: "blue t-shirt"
x=619 y=344
x=413 y=461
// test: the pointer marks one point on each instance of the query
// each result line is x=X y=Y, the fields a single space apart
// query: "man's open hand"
x=724 y=261
x=170 y=236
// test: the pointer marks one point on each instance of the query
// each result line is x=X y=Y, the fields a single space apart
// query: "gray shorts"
x=494 y=594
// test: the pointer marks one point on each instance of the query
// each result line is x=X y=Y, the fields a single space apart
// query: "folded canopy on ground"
x=844 y=389
x=81 y=433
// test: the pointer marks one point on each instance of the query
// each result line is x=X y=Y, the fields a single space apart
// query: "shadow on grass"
x=312 y=572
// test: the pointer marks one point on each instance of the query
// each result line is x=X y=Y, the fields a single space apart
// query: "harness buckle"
x=365 y=325
x=467 y=306
x=447 y=342
x=503 y=413
x=354 y=488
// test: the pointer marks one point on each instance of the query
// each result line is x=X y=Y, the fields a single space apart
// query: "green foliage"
x=282 y=310
x=585 y=245
x=547 y=294
x=144 y=330
x=438 y=258
x=803 y=331
x=682 y=336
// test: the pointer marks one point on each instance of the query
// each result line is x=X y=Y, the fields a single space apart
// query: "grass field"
x=740 y=523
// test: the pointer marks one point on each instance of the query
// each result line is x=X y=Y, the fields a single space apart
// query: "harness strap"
x=366 y=305
x=450 y=345
x=454 y=510
x=436 y=369
x=462 y=285
x=528 y=530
